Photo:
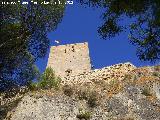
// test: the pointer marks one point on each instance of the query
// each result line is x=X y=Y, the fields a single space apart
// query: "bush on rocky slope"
x=135 y=97
x=47 y=80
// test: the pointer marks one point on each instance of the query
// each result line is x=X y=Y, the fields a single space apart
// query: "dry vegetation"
x=94 y=94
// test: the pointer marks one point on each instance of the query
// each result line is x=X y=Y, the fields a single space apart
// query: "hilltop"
x=117 y=92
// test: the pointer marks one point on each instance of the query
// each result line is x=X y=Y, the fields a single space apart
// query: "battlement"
x=69 y=59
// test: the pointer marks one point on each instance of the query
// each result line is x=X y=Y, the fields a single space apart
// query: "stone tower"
x=69 y=59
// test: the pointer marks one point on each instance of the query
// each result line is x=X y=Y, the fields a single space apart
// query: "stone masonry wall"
x=69 y=59
x=114 y=72
x=72 y=63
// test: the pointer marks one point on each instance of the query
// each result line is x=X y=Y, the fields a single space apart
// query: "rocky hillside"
x=119 y=94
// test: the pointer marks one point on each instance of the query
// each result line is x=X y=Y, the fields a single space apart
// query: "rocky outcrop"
x=130 y=104
x=118 y=92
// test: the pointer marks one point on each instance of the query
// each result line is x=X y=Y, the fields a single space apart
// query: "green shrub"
x=146 y=92
x=157 y=74
x=84 y=115
x=90 y=96
x=82 y=94
x=33 y=86
x=49 y=80
x=127 y=77
x=68 y=90
x=92 y=99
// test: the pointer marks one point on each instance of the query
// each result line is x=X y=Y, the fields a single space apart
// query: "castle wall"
x=69 y=59
x=114 y=72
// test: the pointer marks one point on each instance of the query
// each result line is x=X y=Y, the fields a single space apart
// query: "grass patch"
x=82 y=94
x=68 y=90
x=157 y=74
x=92 y=99
x=146 y=92
x=84 y=115
x=91 y=96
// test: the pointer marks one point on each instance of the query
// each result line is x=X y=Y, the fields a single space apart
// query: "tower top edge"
x=63 y=45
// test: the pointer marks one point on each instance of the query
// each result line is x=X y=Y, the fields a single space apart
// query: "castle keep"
x=69 y=59
x=120 y=91
x=72 y=63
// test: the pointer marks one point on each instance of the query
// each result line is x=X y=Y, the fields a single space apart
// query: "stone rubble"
x=114 y=72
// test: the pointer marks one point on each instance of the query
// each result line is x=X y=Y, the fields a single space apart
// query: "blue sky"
x=80 y=24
